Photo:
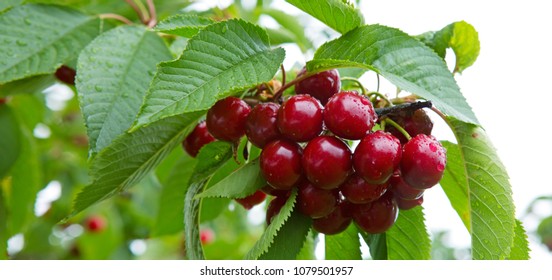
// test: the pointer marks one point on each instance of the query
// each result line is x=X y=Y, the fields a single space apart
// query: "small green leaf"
x=264 y=244
x=185 y=25
x=520 y=249
x=37 y=39
x=337 y=14
x=289 y=240
x=10 y=139
x=113 y=79
x=131 y=157
x=241 y=183
x=408 y=238
x=461 y=37
x=222 y=59
x=343 y=246
x=401 y=59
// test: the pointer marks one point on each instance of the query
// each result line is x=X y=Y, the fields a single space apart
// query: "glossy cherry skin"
x=280 y=163
x=226 y=119
x=349 y=115
x=254 y=199
x=335 y=222
x=274 y=207
x=198 y=138
x=321 y=86
x=261 y=127
x=404 y=204
x=300 y=118
x=423 y=162
x=66 y=74
x=378 y=216
x=316 y=202
x=403 y=190
x=327 y=162
x=376 y=157
x=417 y=122
x=268 y=189
x=356 y=190
x=96 y=223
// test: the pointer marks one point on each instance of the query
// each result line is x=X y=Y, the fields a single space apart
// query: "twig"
x=401 y=107
x=153 y=14
x=138 y=11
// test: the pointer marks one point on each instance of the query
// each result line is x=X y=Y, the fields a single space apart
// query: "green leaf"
x=291 y=27
x=37 y=39
x=337 y=14
x=10 y=139
x=455 y=183
x=377 y=245
x=3 y=225
x=131 y=157
x=461 y=37
x=185 y=25
x=408 y=238
x=222 y=59
x=113 y=79
x=171 y=204
x=307 y=250
x=241 y=183
x=520 y=249
x=401 y=59
x=490 y=194
x=210 y=158
x=343 y=246
x=279 y=36
x=6 y=4
x=289 y=240
x=263 y=245
x=34 y=84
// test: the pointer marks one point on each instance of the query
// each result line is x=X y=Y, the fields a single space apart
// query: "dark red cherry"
x=423 y=162
x=249 y=201
x=274 y=207
x=268 y=189
x=376 y=157
x=327 y=162
x=417 y=122
x=96 y=223
x=261 y=127
x=404 y=204
x=316 y=202
x=349 y=115
x=281 y=164
x=300 y=118
x=378 y=216
x=66 y=74
x=335 y=222
x=198 y=138
x=357 y=190
x=321 y=86
x=403 y=190
x=226 y=119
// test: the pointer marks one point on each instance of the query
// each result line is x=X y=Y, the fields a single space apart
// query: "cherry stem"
x=402 y=107
x=438 y=112
x=356 y=81
x=153 y=14
x=279 y=93
x=378 y=86
x=389 y=103
x=398 y=127
x=283 y=74
x=116 y=17
x=138 y=11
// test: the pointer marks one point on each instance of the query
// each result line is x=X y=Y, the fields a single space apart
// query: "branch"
x=401 y=107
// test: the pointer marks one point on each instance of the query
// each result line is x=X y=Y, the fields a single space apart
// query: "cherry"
x=206 y=236
x=274 y=207
x=327 y=162
x=198 y=138
x=96 y=223
x=66 y=74
x=335 y=222
x=254 y=199
x=226 y=119
x=268 y=189
x=321 y=86
x=405 y=204
x=417 y=122
x=261 y=127
x=358 y=191
x=378 y=216
x=423 y=162
x=3 y=101
x=376 y=157
x=300 y=118
x=316 y=202
x=349 y=115
x=403 y=190
x=281 y=164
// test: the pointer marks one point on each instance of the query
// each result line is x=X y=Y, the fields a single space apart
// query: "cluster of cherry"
x=305 y=145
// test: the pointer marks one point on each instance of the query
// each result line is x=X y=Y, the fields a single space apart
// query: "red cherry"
x=423 y=162
x=269 y=190
x=66 y=74
x=403 y=190
x=335 y=222
x=96 y=223
x=349 y=115
x=404 y=204
x=198 y=138
x=274 y=207
x=249 y=201
x=417 y=122
x=321 y=86
x=261 y=127
x=327 y=162
x=376 y=157
x=226 y=119
x=358 y=191
x=281 y=164
x=300 y=118
x=378 y=216
x=316 y=202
